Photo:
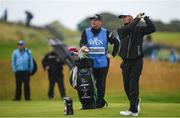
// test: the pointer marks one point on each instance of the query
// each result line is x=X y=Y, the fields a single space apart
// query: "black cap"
x=97 y=17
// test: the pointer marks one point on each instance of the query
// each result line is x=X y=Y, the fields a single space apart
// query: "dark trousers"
x=100 y=75
x=22 y=77
x=131 y=71
x=53 y=78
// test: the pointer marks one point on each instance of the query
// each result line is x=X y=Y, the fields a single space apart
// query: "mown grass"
x=168 y=38
x=56 y=109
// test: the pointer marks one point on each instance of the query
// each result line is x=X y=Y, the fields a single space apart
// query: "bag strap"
x=27 y=50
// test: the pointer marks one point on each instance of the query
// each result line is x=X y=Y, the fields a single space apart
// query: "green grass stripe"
x=55 y=109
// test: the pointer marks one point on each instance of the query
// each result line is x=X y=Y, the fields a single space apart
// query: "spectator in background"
x=5 y=15
x=22 y=65
x=172 y=56
x=148 y=46
x=54 y=66
x=154 y=55
x=29 y=17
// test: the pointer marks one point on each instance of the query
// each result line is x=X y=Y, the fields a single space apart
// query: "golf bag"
x=83 y=81
x=81 y=76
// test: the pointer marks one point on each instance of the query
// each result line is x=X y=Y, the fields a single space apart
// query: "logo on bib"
x=95 y=41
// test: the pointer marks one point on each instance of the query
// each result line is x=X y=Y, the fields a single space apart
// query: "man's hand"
x=109 y=55
x=140 y=15
x=47 y=67
x=84 y=49
x=111 y=35
x=146 y=17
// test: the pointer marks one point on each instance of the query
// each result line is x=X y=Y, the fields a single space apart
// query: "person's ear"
x=131 y=18
x=100 y=22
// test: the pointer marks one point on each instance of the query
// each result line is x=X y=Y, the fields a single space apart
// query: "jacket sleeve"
x=130 y=27
x=13 y=61
x=44 y=61
x=150 y=28
x=113 y=40
x=83 y=40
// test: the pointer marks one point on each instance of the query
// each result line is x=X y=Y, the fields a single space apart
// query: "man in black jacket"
x=54 y=66
x=131 y=36
x=96 y=39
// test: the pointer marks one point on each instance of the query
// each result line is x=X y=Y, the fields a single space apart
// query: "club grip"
x=142 y=13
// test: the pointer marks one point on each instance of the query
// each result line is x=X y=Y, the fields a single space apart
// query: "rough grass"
x=160 y=82
x=56 y=109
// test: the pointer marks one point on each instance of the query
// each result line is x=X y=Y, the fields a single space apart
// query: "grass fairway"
x=168 y=38
x=55 y=109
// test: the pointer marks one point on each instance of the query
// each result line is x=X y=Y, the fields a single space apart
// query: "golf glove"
x=140 y=15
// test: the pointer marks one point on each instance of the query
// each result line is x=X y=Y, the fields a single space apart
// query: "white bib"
x=96 y=50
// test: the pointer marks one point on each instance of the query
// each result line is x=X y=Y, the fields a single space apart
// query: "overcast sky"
x=71 y=12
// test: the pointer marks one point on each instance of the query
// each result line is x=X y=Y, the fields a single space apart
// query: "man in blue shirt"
x=22 y=65
x=96 y=39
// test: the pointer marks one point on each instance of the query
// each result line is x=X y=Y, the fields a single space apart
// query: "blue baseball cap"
x=21 y=42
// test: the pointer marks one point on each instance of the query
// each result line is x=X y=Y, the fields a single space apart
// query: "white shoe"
x=128 y=113
x=134 y=114
x=125 y=113
x=139 y=108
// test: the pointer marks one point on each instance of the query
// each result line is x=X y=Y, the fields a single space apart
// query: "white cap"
x=124 y=14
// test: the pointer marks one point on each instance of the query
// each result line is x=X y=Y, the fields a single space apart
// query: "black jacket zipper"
x=129 y=44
